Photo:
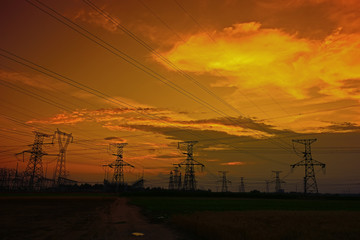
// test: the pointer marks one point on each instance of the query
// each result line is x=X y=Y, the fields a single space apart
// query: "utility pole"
x=242 y=185
x=33 y=174
x=189 y=163
x=310 y=185
x=63 y=140
x=278 y=182
x=118 y=165
x=224 y=181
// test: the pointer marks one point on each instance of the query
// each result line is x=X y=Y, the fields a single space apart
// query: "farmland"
x=234 y=218
x=102 y=216
x=49 y=217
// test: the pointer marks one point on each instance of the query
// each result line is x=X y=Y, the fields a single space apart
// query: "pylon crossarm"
x=198 y=163
x=315 y=162
x=302 y=163
x=185 y=162
x=128 y=164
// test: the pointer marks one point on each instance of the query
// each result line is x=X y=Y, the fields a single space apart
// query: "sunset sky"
x=243 y=78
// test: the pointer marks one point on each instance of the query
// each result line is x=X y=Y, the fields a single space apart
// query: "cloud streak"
x=127 y=119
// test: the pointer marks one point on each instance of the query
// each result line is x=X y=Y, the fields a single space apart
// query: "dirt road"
x=124 y=221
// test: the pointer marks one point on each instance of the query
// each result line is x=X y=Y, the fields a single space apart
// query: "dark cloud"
x=352 y=86
x=114 y=138
x=175 y=133
x=345 y=126
x=167 y=156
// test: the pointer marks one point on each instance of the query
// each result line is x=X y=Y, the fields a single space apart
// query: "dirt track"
x=121 y=221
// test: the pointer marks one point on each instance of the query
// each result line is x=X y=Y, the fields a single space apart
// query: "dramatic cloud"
x=249 y=56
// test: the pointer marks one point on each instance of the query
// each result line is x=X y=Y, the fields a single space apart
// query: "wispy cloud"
x=36 y=81
x=161 y=120
x=233 y=163
x=94 y=18
x=342 y=127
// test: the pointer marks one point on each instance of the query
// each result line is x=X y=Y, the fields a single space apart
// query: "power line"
x=178 y=70
x=97 y=93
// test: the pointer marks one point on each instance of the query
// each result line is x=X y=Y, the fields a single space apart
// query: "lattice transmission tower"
x=242 y=185
x=189 y=178
x=310 y=184
x=278 y=182
x=224 y=181
x=267 y=182
x=63 y=140
x=119 y=164
x=171 y=181
x=34 y=173
x=177 y=178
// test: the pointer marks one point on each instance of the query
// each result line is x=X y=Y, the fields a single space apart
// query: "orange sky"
x=243 y=78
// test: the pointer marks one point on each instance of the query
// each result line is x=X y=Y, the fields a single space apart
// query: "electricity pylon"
x=310 y=185
x=63 y=140
x=189 y=163
x=224 y=181
x=278 y=182
x=242 y=185
x=171 y=181
x=177 y=178
x=34 y=174
x=118 y=165
x=267 y=185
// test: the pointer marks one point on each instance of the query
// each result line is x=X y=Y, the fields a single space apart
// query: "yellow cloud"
x=249 y=56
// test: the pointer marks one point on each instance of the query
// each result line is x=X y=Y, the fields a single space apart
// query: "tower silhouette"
x=224 y=181
x=242 y=185
x=34 y=173
x=189 y=178
x=310 y=184
x=63 y=140
x=278 y=182
x=119 y=164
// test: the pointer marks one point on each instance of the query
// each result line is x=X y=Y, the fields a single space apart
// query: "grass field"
x=167 y=206
x=271 y=225
x=256 y=219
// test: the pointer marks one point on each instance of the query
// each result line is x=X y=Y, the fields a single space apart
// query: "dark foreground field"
x=73 y=217
x=257 y=219
x=272 y=225
x=61 y=217
x=93 y=217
